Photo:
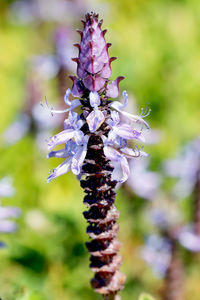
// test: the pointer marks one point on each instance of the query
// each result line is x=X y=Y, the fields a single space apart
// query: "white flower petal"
x=59 y=154
x=60 y=170
x=60 y=138
x=95 y=119
x=94 y=99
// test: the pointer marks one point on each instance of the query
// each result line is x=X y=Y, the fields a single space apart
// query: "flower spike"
x=95 y=148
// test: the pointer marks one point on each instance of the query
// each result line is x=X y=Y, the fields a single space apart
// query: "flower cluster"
x=116 y=147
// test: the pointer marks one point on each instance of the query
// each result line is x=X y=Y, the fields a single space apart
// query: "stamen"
x=147 y=111
x=51 y=171
x=47 y=106
x=53 y=111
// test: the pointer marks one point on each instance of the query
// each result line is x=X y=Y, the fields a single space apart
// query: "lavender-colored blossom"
x=157 y=253
x=95 y=146
x=6 y=225
x=134 y=118
x=115 y=145
x=45 y=65
x=6 y=188
x=167 y=217
x=63 y=39
x=185 y=168
x=75 y=154
x=165 y=213
x=96 y=117
x=144 y=183
x=17 y=130
x=189 y=239
x=61 y=11
x=32 y=118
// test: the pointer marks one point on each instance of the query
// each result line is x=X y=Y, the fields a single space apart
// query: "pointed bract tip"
x=83 y=22
x=80 y=32
x=100 y=23
x=90 y=17
x=112 y=59
x=120 y=78
x=77 y=46
x=75 y=59
x=104 y=32
x=72 y=77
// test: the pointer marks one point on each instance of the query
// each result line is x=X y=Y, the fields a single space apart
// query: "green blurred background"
x=158 y=48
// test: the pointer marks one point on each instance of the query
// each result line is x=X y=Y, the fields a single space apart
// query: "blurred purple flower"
x=165 y=213
x=95 y=143
x=46 y=66
x=144 y=183
x=17 y=130
x=7 y=226
x=6 y=188
x=61 y=11
x=64 y=52
x=189 y=239
x=34 y=119
x=185 y=168
x=157 y=253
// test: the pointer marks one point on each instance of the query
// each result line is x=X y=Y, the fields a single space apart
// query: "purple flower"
x=157 y=253
x=115 y=144
x=6 y=225
x=71 y=131
x=144 y=183
x=72 y=104
x=189 y=239
x=116 y=149
x=36 y=11
x=185 y=168
x=6 y=188
x=46 y=66
x=96 y=117
x=96 y=147
x=165 y=213
x=75 y=147
x=133 y=118
x=17 y=130
x=75 y=154
x=123 y=130
x=63 y=39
